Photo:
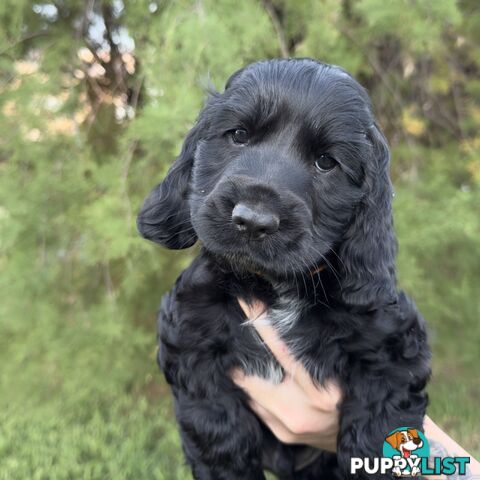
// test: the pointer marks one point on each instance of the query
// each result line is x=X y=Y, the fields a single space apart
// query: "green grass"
x=82 y=399
x=128 y=439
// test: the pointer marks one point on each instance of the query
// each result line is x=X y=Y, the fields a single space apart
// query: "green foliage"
x=417 y=25
x=439 y=234
x=95 y=98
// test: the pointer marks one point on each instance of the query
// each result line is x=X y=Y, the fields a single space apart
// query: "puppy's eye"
x=239 y=136
x=325 y=163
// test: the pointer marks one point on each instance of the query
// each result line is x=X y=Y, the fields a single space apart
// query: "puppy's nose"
x=417 y=441
x=255 y=221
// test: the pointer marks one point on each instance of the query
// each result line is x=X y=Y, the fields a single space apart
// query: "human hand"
x=296 y=410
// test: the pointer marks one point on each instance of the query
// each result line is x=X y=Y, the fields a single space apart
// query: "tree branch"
x=277 y=26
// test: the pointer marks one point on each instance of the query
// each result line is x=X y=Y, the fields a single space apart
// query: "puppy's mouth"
x=255 y=241
x=249 y=254
x=405 y=452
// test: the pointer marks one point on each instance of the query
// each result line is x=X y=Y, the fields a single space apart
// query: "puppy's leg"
x=388 y=371
x=221 y=438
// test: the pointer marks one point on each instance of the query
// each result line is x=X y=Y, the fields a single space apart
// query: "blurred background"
x=95 y=98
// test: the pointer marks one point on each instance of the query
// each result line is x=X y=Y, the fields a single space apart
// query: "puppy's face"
x=405 y=441
x=280 y=171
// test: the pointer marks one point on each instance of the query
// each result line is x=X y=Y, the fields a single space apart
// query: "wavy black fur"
x=346 y=322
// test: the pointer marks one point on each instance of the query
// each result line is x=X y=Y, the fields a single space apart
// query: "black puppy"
x=284 y=179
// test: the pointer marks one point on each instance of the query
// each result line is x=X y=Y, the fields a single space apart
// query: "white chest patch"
x=282 y=317
x=285 y=313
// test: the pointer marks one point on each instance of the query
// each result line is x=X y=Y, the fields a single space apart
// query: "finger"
x=262 y=412
x=273 y=404
x=277 y=346
x=252 y=310
x=325 y=398
x=323 y=439
x=257 y=388
x=276 y=399
x=328 y=397
x=238 y=376
x=275 y=425
x=255 y=311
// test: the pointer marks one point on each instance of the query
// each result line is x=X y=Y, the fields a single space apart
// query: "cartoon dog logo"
x=406 y=442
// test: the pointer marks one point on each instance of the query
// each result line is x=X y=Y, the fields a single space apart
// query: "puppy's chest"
x=254 y=356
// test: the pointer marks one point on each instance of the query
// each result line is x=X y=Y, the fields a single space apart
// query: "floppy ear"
x=394 y=440
x=368 y=251
x=413 y=432
x=165 y=215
